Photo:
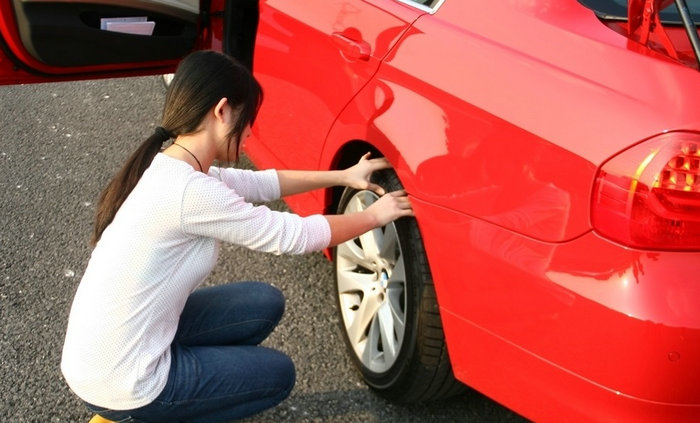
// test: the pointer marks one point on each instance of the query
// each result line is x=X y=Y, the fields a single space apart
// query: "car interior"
x=70 y=34
x=101 y=32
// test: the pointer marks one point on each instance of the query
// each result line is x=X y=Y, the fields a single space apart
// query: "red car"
x=550 y=149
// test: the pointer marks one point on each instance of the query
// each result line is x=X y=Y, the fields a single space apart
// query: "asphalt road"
x=59 y=145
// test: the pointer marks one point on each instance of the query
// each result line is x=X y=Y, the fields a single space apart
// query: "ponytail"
x=124 y=182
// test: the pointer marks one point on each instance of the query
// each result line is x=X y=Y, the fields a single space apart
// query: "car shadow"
x=361 y=405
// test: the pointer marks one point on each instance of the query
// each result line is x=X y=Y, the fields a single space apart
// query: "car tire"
x=388 y=309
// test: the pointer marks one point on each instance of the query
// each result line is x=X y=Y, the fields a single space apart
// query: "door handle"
x=352 y=49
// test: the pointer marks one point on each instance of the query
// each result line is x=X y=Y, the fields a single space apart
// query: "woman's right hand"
x=386 y=209
x=390 y=207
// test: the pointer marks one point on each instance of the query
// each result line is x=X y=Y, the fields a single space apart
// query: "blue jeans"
x=219 y=373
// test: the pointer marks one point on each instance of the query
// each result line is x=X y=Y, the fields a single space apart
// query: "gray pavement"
x=59 y=145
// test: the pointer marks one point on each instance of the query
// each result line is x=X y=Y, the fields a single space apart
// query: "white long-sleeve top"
x=162 y=243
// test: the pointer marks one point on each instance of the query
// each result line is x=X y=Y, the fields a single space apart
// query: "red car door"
x=54 y=40
x=320 y=55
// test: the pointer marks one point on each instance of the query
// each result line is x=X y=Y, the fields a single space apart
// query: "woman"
x=142 y=344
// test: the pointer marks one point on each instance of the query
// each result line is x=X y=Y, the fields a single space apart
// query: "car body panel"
x=295 y=47
x=540 y=313
x=500 y=124
x=625 y=322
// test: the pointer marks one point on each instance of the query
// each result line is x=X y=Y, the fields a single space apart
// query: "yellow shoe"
x=99 y=419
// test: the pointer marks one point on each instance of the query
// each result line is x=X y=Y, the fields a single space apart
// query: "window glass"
x=427 y=3
x=617 y=9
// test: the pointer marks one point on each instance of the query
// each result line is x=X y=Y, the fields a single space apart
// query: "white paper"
x=139 y=28
x=104 y=21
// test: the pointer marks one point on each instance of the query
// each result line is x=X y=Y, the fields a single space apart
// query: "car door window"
x=429 y=5
x=617 y=10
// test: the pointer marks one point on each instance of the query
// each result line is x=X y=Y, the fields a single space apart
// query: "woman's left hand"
x=358 y=176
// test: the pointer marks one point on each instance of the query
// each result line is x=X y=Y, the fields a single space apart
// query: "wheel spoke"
x=388 y=248
x=386 y=317
x=355 y=205
x=351 y=252
x=350 y=281
x=398 y=273
x=361 y=201
x=367 y=249
x=362 y=319
x=350 y=255
x=395 y=292
x=398 y=310
x=371 y=241
x=370 y=352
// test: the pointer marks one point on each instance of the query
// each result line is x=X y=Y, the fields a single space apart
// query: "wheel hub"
x=383 y=279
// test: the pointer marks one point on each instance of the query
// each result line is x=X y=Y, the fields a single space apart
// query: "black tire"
x=421 y=371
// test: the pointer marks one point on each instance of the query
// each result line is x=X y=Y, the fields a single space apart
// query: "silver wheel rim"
x=371 y=281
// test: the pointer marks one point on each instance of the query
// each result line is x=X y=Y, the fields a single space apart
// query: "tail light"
x=649 y=196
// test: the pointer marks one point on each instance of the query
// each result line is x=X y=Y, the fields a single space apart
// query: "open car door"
x=53 y=40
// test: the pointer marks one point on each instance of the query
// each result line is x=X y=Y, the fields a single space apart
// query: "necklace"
x=193 y=156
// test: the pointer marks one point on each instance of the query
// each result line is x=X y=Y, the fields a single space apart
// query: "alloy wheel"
x=371 y=282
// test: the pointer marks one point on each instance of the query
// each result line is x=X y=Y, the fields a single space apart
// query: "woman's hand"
x=386 y=209
x=390 y=207
x=358 y=176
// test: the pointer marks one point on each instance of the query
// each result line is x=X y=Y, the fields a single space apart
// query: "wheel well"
x=346 y=157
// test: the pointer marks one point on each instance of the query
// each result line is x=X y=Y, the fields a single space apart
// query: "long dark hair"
x=201 y=80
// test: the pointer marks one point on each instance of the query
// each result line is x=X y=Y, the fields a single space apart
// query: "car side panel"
x=524 y=130
x=426 y=117
x=613 y=327
x=307 y=77
x=500 y=175
x=503 y=208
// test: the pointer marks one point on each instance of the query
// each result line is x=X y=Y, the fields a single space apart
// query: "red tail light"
x=649 y=196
